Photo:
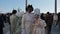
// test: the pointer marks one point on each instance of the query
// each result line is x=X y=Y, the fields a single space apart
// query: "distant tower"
x=55 y=6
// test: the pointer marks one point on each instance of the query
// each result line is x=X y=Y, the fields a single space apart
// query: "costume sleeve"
x=44 y=23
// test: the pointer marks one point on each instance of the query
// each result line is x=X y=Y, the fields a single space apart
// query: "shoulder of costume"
x=41 y=19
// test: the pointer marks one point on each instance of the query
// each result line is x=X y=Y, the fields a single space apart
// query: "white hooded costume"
x=37 y=27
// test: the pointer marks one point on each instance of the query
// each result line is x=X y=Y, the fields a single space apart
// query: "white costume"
x=18 y=26
x=55 y=18
x=39 y=28
x=27 y=21
x=13 y=21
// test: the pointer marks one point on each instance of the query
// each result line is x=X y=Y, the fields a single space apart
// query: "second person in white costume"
x=39 y=25
x=27 y=20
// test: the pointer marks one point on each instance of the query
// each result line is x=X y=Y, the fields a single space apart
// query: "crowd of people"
x=28 y=23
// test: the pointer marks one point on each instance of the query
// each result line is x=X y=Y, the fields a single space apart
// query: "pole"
x=55 y=6
x=26 y=3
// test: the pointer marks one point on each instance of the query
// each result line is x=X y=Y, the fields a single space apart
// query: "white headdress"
x=37 y=11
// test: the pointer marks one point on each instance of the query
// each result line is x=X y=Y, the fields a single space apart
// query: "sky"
x=43 y=5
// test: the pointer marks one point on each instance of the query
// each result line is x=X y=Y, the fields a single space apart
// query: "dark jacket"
x=49 y=19
x=1 y=22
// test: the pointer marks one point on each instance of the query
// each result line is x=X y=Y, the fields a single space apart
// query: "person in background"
x=18 y=26
x=8 y=17
x=59 y=20
x=1 y=24
x=49 y=22
x=4 y=18
x=6 y=29
x=27 y=20
x=55 y=19
x=42 y=16
x=13 y=22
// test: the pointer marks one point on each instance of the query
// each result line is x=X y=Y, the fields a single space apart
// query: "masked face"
x=36 y=17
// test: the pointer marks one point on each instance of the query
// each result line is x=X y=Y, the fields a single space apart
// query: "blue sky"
x=43 y=5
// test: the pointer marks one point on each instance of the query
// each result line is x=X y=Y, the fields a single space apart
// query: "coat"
x=1 y=24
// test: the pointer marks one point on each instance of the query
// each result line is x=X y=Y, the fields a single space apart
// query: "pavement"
x=55 y=30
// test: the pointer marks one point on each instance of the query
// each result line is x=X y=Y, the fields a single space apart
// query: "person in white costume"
x=18 y=26
x=13 y=21
x=39 y=25
x=27 y=20
x=55 y=19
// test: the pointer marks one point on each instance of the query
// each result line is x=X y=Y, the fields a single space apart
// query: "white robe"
x=55 y=19
x=27 y=21
x=18 y=25
x=39 y=28
x=13 y=21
